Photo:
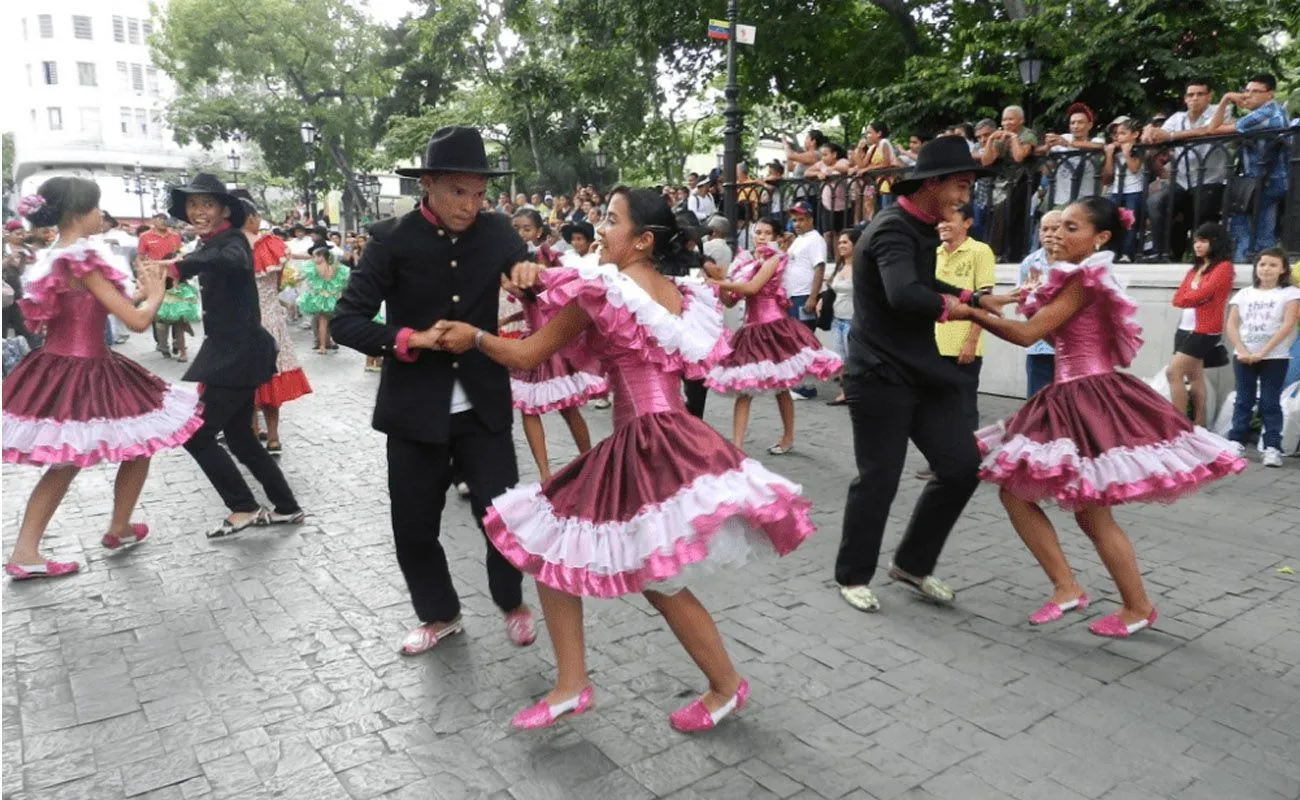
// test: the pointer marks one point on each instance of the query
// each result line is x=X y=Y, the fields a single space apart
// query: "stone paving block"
x=144 y=776
x=673 y=769
x=380 y=775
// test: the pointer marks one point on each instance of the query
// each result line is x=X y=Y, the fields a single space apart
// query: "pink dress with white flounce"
x=561 y=381
x=1097 y=436
x=664 y=498
x=771 y=351
x=73 y=401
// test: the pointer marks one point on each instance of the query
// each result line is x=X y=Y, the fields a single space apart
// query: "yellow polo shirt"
x=970 y=266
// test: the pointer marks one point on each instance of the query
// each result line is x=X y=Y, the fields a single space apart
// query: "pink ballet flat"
x=1051 y=612
x=48 y=569
x=543 y=715
x=1111 y=627
x=425 y=638
x=112 y=541
x=694 y=718
x=520 y=627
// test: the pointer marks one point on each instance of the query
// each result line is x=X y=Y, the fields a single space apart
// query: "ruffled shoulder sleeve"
x=626 y=317
x=1098 y=278
x=51 y=274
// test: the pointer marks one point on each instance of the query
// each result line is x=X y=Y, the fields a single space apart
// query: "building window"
x=86 y=73
x=56 y=118
x=119 y=30
x=29 y=74
x=137 y=78
x=146 y=28
x=151 y=80
x=51 y=72
x=81 y=27
x=90 y=122
x=24 y=29
x=126 y=121
x=46 y=23
x=133 y=30
x=142 y=121
x=155 y=124
x=123 y=76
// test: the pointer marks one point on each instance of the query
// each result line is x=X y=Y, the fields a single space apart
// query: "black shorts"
x=1203 y=346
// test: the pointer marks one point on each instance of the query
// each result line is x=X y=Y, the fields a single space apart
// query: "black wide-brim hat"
x=581 y=226
x=246 y=197
x=457 y=149
x=203 y=183
x=940 y=158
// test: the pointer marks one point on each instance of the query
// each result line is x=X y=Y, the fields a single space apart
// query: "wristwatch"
x=974 y=301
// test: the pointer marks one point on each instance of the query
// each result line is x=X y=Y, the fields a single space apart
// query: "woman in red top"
x=1204 y=296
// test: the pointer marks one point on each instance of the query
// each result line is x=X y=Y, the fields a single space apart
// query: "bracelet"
x=974 y=301
x=478 y=338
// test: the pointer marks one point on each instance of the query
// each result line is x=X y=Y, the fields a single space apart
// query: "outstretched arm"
x=457 y=337
x=1024 y=333
x=755 y=284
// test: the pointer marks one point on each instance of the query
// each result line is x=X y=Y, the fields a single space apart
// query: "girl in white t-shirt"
x=1261 y=326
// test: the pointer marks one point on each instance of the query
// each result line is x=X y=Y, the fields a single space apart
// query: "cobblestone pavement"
x=266 y=667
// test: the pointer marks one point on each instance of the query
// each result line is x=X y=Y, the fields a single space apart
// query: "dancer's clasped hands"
x=453 y=336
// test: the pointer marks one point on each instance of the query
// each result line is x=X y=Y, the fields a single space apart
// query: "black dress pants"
x=970 y=392
x=884 y=416
x=1176 y=212
x=419 y=474
x=696 y=395
x=230 y=411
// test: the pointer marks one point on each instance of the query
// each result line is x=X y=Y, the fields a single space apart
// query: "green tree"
x=261 y=69
x=7 y=159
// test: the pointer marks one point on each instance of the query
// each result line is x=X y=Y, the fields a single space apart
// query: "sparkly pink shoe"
x=694 y=718
x=543 y=715
x=520 y=628
x=1051 y=612
x=48 y=569
x=1111 y=627
x=426 y=638
x=112 y=541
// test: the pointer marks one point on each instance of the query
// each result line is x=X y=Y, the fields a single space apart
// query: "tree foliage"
x=261 y=69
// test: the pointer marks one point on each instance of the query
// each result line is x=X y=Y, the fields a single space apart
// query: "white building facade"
x=94 y=103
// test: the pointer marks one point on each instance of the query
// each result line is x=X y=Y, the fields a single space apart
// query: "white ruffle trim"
x=693 y=335
x=78 y=251
x=745 y=378
x=27 y=434
x=557 y=391
x=612 y=548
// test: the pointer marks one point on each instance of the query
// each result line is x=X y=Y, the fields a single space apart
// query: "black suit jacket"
x=896 y=302
x=424 y=273
x=237 y=351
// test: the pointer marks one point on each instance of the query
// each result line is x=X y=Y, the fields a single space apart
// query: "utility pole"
x=731 y=127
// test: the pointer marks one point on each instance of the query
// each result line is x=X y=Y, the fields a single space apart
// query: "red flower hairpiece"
x=1126 y=218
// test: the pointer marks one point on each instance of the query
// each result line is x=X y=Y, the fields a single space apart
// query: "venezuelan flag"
x=719 y=29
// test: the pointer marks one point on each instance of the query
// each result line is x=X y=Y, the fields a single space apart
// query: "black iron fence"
x=1171 y=189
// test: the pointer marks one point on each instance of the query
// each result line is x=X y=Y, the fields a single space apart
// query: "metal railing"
x=1175 y=188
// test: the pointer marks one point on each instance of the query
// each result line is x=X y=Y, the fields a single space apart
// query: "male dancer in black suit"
x=444 y=260
x=237 y=356
x=899 y=387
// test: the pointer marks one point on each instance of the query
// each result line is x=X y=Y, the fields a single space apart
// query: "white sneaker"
x=1237 y=449
x=1272 y=457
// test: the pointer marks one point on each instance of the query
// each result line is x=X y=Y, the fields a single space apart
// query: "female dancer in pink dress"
x=664 y=498
x=560 y=383
x=771 y=351
x=1095 y=437
x=74 y=402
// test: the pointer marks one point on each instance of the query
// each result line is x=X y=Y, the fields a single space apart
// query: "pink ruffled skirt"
x=554 y=385
x=1104 y=440
x=772 y=356
x=61 y=409
x=660 y=502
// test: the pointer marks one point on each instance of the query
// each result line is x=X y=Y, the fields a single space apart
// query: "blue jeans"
x=840 y=330
x=796 y=311
x=1040 y=370
x=1133 y=236
x=1265 y=234
x=1293 y=372
x=1263 y=379
x=109 y=338
x=981 y=223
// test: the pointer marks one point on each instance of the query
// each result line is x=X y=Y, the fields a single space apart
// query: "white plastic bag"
x=1291 y=418
x=1160 y=383
x=1223 y=422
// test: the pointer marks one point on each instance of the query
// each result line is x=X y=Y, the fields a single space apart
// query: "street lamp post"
x=602 y=161
x=503 y=165
x=309 y=138
x=1031 y=70
x=137 y=185
x=233 y=158
x=731 y=126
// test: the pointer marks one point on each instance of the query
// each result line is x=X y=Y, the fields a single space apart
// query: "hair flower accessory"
x=1126 y=218
x=29 y=204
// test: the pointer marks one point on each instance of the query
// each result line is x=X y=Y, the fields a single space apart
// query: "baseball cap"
x=719 y=224
x=802 y=208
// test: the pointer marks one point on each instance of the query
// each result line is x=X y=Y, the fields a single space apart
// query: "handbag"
x=1218 y=357
x=826 y=311
x=1241 y=195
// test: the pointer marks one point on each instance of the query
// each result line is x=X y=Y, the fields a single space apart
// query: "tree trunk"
x=532 y=137
x=899 y=13
x=350 y=188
